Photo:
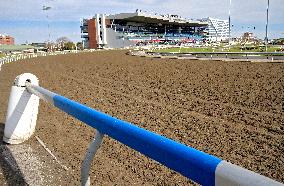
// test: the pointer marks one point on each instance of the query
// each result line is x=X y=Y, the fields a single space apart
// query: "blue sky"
x=27 y=22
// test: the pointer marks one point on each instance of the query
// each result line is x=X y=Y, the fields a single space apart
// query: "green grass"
x=272 y=49
x=2 y=55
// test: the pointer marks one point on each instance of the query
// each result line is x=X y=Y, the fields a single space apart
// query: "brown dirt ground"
x=232 y=110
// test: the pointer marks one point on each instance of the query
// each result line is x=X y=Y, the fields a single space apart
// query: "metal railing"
x=269 y=56
x=196 y=165
x=16 y=57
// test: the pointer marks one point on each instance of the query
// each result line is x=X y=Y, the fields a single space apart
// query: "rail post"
x=87 y=162
x=196 y=165
x=22 y=111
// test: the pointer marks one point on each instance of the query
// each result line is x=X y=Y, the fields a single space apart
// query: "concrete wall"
x=114 y=40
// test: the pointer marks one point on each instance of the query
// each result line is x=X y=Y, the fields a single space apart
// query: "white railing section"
x=196 y=165
x=16 y=57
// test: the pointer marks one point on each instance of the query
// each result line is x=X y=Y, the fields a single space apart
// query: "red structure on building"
x=92 y=33
x=6 y=40
x=91 y=30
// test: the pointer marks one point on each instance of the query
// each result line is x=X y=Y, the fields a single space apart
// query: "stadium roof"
x=143 y=17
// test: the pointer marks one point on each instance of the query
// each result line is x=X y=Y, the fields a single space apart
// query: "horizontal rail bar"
x=229 y=53
x=196 y=165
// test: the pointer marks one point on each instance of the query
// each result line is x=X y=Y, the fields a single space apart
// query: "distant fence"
x=15 y=57
x=198 y=166
x=269 y=56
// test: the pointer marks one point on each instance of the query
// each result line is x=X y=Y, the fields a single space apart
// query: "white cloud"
x=243 y=12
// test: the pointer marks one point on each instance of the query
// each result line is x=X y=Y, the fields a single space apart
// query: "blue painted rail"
x=198 y=166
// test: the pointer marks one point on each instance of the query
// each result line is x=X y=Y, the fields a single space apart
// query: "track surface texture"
x=233 y=110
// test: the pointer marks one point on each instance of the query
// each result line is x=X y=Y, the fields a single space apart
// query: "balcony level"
x=84 y=36
x=84 y=22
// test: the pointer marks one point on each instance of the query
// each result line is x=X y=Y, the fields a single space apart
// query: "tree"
x=61 y=42
x=69 y=46
x=79 y=45
x=50 y=46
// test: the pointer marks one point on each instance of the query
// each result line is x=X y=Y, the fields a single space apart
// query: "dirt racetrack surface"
x=232 y=110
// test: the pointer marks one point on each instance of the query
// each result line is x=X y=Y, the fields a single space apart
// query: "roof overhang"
x=141 y=17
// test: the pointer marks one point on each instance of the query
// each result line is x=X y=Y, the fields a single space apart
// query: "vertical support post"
x=98 y=27
x=266 y=28
x=104 y=35
x=229 y=23
x=86 y=165
x=22 y=111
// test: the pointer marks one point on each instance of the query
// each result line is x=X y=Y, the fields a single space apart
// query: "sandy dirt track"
x=232 y=110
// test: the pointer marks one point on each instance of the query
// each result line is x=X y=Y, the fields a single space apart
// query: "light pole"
x=230 y=22
x=46 y=8
x=266 y=30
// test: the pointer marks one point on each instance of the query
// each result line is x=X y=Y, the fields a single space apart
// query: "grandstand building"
x=129 y=29
x=217 y=30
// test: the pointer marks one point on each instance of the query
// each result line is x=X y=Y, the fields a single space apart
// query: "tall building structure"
x=217 y=30
x=126 y=29
x=6 y=40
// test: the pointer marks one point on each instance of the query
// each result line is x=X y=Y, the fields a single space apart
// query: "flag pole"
x=266 y=30
x=230 y=22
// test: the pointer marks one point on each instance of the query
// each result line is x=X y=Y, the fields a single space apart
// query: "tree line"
x=64 y=43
